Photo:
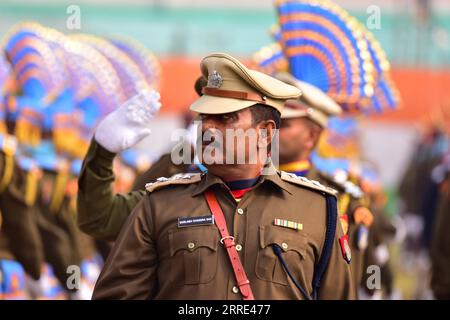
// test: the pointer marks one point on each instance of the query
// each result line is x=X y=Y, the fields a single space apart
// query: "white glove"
x=128 y=124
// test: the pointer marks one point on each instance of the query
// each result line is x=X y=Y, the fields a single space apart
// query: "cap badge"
x=215 y=80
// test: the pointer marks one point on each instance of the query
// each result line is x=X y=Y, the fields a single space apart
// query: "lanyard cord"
x=278 y=252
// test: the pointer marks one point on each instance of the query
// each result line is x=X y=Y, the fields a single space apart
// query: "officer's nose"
x=209 y=126
x=208 y=122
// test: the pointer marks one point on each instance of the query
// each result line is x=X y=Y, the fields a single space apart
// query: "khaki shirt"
x=154 y=259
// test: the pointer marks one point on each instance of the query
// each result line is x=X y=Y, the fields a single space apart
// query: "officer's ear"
x=266 y=131
x=314 y=131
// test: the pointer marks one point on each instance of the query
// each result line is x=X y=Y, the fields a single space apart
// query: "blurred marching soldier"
x=382 y=232
x=33 y=109
x=420 y=197
x=440 y=244
x=64 y=84
x=281 y=261
x=18 y=184
x=303 y=121
x=417 y=190
x=24 y=253
x=377 y=254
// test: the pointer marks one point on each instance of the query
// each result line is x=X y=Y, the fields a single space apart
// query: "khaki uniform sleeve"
x=130 y=270
x=337 y=282
x=101 y=213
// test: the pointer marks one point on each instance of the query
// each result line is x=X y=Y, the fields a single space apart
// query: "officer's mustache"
x=214 y=139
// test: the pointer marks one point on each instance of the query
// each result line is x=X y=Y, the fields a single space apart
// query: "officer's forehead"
x=234 y=114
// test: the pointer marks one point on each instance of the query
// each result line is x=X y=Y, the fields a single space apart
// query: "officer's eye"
x=229 y=117
x=222 y=118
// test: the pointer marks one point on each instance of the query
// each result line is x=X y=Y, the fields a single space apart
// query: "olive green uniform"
x=57 y=223
x=19 y=235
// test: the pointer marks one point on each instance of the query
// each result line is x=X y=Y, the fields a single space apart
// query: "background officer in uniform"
x=303 y=121
x=440 y=245
x=161 y=253
x=21 y=248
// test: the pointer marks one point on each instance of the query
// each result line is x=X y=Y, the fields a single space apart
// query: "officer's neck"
x=236 y=172
x=302 y=156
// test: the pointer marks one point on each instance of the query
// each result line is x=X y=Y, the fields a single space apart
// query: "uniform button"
x=240 y=211
x=284 y=245
x=235 y=289
x=238 y=247
x=191 y=245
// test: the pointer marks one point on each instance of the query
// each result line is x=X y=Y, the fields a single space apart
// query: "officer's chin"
x=215 y=163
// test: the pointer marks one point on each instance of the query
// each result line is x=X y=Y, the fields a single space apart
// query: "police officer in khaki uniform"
x=303 y=121
x=192 y=237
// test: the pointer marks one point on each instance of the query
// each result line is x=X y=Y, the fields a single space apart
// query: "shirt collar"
x=273 y=176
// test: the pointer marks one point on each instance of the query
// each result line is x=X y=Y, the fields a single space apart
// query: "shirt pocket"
x=194 y=254
x=293 y=245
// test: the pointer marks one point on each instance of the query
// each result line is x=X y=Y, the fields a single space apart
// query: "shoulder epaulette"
x=311 y=184
x=353 y=190
x=349 y=187
x=342 y=182
x=179 y=178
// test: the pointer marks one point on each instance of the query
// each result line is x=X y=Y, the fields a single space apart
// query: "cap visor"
x=289 y=113
x=218 y=105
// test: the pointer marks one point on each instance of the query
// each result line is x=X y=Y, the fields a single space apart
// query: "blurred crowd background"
x=404 y=143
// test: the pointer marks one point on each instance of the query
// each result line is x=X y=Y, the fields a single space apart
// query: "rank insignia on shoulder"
x=340 y=179
x=345 y=248
x=311 y=184
x=180 y=178
x=195 y=221
x=288 y=224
